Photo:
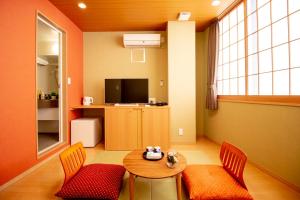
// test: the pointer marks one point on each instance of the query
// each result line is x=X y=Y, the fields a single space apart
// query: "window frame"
x=291 y=100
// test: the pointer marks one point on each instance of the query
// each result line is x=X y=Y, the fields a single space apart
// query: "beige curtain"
x=213 y=47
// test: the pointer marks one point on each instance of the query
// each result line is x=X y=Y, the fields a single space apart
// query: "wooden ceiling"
x=137 y=15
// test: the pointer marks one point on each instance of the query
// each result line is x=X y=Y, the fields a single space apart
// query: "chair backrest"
x=72 y=160
x=233 y=160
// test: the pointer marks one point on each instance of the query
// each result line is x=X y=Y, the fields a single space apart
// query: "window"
x=261 y=58
x=231 y=67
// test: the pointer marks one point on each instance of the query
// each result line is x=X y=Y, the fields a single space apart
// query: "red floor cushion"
x=95 y=181
x=212 y=182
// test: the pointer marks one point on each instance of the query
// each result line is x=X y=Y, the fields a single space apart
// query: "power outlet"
x=180 y=131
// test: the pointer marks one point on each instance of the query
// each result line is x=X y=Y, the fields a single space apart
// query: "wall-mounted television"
x=126 y=91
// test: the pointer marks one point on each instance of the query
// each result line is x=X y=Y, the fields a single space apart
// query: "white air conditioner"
x=141 y=40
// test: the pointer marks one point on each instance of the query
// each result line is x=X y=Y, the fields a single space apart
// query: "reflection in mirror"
x=48 y=82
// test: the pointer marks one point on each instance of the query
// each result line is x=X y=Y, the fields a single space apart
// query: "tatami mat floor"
x=44 y=182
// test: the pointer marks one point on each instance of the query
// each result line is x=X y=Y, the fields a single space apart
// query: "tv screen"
x=126 y=90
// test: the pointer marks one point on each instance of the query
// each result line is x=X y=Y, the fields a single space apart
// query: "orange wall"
x=17 y=80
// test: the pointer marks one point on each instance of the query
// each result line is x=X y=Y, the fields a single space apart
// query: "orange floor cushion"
x=212 y=182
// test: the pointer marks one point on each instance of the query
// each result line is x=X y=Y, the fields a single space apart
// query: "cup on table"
x=149 y=149
x=157 y=149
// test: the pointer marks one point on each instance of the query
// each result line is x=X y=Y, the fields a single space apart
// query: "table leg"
x=178 y=185
x=131 y=186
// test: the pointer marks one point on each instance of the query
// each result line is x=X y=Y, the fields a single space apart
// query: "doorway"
x=49 y=82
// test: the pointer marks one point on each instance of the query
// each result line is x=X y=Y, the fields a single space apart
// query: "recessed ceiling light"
x=81 y=5
x=215 y=2
x=184 y=16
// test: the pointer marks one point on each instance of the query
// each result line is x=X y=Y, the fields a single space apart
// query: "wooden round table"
x=136 y=165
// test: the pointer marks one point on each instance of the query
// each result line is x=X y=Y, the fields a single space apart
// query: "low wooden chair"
x=218 y=182
x=94 y=181
x=72 y=160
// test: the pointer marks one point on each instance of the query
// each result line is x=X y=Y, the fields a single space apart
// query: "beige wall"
x=269 y=134
x=182 y=83
x=105 y=57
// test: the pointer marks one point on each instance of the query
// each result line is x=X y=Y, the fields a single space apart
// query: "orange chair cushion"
x=212 y=182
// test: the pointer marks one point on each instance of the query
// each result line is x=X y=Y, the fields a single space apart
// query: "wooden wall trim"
x=229 y=8
x=267 y=100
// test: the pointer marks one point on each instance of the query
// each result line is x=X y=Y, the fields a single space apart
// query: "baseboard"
x=30 y=170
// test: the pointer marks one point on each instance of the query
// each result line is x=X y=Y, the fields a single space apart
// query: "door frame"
x=63 y=115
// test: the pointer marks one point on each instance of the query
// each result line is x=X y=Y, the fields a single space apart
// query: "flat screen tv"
x=126 y=90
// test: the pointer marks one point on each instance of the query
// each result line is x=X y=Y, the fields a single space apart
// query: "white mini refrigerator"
x=85 y=130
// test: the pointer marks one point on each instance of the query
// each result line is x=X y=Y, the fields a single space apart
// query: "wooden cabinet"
x=121 y=128
x=155 y=127
x=136 y=127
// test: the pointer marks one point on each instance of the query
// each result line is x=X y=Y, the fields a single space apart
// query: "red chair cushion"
x=95 y=181
x=212 y=182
